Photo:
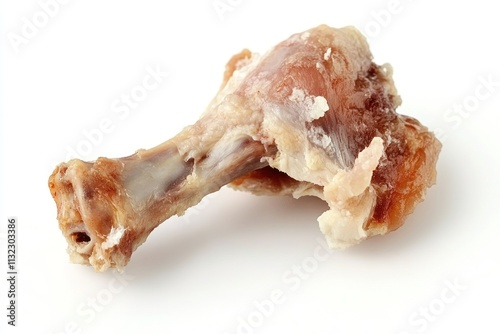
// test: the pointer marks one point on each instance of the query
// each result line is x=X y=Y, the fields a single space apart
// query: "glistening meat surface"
x=313 y=116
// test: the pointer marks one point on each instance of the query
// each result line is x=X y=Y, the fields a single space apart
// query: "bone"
x=312 y=117
x=107 y=208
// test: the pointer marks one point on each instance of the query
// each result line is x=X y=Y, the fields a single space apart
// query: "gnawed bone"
x=292 y=122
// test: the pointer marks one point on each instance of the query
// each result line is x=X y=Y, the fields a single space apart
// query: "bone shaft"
x=160 y=183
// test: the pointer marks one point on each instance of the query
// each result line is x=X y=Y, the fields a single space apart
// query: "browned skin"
x=107 y=208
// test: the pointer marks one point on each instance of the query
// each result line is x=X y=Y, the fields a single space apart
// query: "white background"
x=207 y=272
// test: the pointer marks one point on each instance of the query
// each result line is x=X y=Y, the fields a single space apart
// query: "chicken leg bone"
x=313 y=116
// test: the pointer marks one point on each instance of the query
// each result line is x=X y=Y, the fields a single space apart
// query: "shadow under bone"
x=249 y=224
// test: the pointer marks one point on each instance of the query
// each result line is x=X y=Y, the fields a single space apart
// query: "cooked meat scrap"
x=312 y=117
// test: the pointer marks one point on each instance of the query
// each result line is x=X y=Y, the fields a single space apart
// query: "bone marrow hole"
x=80 y=237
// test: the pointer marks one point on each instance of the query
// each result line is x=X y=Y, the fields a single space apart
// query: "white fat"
x=319 y=107
x=316 y=106
x=113 y=238
x=351 y=200
x=348 y=184
x=327 y=54
x=343 y=229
